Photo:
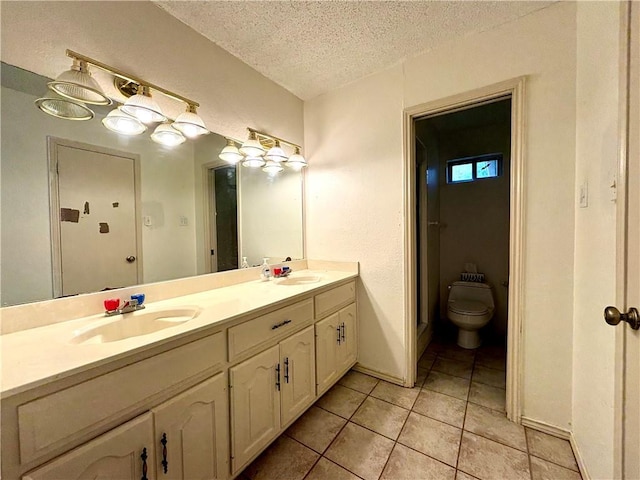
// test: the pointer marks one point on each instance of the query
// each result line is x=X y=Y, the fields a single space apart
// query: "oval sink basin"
x=134 y=324
x=301 y=280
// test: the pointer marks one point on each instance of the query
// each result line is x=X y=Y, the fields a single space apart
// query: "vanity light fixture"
x=119 y=122
x=65 y=108
x=143 y=107
x=190 y=123
x=275 y=153
x=230 y=152
x=168 y=136
x=252 y=147
x=272 y=167
x=78 y=84
x=77 y=87
x=253 y=162
x=297 y=161
x=252 y=153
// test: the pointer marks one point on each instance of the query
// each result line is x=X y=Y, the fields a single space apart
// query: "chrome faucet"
x=128 y=307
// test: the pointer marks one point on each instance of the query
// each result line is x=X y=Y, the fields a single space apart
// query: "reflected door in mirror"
x=223 y=195
x=97 y=219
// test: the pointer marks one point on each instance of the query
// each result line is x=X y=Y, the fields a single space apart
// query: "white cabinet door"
x=298 y=382
x=116 y=455
x=328 y=338
x=192 y=433
x=348 y=351
x=255 y=405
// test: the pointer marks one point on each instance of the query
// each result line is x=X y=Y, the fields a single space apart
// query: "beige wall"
x=595 y=282
x=355 y=201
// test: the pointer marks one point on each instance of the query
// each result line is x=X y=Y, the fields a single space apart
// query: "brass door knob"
x=613 y=317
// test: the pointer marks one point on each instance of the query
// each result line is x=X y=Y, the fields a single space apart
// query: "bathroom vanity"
x=198 y=399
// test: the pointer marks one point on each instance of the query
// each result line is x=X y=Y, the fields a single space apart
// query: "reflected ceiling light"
x=77 y=84
x=276 y=154
x=297 y=161
x=168 y=136
x=61 y=107
x=253 y=162
x=120 y=122
x=272 y=167
x=143 y=107
x=230 y=153
x=190 y=123
x=252 y=147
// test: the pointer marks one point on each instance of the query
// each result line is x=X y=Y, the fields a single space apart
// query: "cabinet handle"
x=144 y=464
x=342 y=328
x=338 y=330
x=165 y=463
x=286 y=369
x=278 y=376
x=281 y=324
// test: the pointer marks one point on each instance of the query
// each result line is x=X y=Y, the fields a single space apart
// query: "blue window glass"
x=486 y=169
x=470 y=169
x=462 y=172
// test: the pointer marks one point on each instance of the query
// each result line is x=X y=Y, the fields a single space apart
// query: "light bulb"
x=120 y=122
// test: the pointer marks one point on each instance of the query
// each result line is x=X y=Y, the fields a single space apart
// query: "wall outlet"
x=584 y=195
x=184 y=221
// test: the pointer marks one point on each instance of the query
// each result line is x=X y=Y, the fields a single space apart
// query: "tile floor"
x=451 y=425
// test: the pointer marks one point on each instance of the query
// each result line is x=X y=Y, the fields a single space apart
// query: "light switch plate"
x=147 y=220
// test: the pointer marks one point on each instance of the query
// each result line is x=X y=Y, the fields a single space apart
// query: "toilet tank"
x=479 y=292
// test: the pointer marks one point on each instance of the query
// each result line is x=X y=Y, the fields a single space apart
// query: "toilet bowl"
x=470 y=307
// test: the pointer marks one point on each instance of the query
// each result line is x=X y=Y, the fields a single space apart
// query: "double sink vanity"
x=194 y=386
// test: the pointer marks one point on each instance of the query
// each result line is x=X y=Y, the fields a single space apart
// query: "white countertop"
x=34 y=357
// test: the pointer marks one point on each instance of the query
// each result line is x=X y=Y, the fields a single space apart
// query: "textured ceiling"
x=312 y=47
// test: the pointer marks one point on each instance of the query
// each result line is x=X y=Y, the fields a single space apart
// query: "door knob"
x=130 y=259
x=613 y=317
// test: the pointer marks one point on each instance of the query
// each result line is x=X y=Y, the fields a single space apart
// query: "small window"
x=474 y=168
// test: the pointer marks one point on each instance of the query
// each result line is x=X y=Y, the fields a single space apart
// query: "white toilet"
x=470 y=307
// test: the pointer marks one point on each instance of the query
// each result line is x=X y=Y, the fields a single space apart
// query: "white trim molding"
x=380 y=375
x=515 y=89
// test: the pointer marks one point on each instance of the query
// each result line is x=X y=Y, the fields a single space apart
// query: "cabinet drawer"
x=333 y=300
x=60 y=418
x=269 y=327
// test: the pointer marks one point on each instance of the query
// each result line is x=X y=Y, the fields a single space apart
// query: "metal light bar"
x=266 y=136
x=139 y=81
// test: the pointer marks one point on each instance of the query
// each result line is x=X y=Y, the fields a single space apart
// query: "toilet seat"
x=468 y=307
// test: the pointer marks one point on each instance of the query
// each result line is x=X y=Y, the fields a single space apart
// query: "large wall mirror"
x=193 y=214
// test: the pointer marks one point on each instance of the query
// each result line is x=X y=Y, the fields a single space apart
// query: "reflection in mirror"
x=80 y=203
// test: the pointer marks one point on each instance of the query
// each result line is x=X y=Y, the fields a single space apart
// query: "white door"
x=192 y=433
x=96 y=202
x=298 y=363
x=125 y=453
x=255 y=405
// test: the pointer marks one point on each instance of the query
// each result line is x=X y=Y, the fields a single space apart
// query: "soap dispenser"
x=265 y=273
x=245 y=264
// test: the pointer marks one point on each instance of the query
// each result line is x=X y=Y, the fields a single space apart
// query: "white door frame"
x=629 y=78
x=515 y=88
x=54 y=204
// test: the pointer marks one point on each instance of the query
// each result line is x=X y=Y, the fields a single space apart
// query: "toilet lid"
x=468 y=307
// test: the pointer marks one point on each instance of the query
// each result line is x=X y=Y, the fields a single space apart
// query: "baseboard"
x=546 y=428
x=382 y=376
x=579 y=460
x=560 y=433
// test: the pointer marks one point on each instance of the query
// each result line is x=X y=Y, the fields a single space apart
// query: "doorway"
x=95 y=210
x=417 y=330
x=221 y=213
x=462 y=172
